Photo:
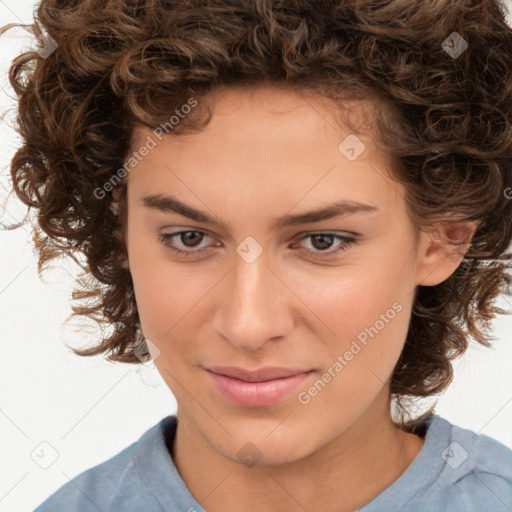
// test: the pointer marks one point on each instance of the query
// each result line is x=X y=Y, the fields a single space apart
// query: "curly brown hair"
x=443 y=118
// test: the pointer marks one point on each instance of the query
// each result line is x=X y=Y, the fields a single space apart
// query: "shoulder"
x=457 y=469
x=475 y=473
x=94 y=489
x=110 y=486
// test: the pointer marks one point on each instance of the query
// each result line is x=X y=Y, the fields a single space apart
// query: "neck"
x=342 y=475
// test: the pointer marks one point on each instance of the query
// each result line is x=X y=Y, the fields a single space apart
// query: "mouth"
x=260 y=388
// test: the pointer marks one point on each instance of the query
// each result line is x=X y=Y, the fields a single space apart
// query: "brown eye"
x=322 y=241
x=188 y=239
x=191 y=239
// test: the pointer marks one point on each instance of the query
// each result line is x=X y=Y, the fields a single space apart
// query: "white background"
x=87 y=409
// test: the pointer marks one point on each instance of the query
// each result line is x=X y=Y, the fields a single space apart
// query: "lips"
x=260 y=388
x=269 y=373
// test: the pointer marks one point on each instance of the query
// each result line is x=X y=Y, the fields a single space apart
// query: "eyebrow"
x=169 y=204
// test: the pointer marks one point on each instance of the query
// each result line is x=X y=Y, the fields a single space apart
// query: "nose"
x=254 y=305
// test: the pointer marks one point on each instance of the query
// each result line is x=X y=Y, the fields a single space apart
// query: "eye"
x=322 y=240
x=191 y=239
x=186 y=238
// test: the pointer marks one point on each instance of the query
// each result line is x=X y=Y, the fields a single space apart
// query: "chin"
x=258 y=448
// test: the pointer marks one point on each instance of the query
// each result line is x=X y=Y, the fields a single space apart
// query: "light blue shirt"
x=455 y=471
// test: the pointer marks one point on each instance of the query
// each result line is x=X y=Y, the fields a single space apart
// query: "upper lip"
x=268 y=373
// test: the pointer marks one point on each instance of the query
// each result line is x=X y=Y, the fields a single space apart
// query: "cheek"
x=363 y=313
x=163 y=298
x=368 y=325
x=161 y=289
x=350 y=300
x=170 y=297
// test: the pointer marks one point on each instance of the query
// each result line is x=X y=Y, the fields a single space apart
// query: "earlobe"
x=442 y=249
x=119 y=207
x=124 y=264
x=116 y=194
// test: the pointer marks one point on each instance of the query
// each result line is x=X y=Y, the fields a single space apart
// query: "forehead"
x=276 y=106
x=267 y=142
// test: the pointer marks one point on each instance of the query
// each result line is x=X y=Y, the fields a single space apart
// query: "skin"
x=267 y=152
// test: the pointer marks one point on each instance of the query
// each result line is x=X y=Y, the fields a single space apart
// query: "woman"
x=300 y=212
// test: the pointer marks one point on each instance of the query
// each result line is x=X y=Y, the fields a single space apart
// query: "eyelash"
x=348 y=241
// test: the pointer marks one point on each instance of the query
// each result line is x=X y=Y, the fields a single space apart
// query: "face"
x=330 y=299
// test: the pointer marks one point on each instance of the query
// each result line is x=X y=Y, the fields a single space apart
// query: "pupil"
x=322 y=237
x=185 y=236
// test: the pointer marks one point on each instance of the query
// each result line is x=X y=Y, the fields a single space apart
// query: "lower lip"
x=257 y=394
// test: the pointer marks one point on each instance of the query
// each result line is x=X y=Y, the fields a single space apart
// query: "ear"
x=437 y=257
x=116 y=194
